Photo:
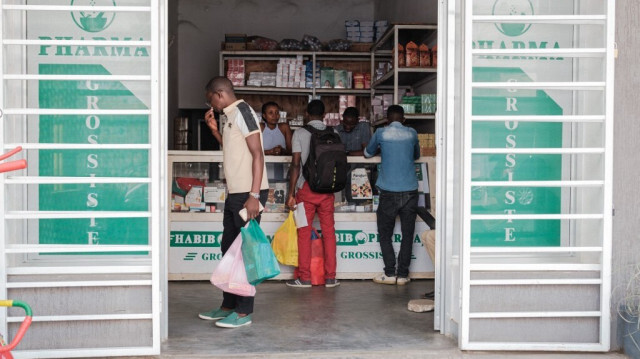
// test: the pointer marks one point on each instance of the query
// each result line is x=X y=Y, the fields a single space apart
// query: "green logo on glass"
x=93 y=21
x=513 y=7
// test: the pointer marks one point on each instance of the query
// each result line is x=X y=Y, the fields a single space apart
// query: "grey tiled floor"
x=358 y=319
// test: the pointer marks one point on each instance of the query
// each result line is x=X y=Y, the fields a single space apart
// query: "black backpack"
x=326 y=166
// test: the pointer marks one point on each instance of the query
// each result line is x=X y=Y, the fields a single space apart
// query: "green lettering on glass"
x=514 y=167
x=92 y=129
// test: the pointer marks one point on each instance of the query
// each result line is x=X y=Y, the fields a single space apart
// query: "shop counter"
x=196 y=227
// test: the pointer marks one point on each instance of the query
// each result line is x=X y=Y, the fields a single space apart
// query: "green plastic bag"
x=259 y=260
x=285 y=242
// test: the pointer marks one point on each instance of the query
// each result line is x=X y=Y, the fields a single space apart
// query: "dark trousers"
x=232 y=222
x=391 y=205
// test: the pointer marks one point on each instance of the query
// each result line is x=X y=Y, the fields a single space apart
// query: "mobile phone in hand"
x=243 y=212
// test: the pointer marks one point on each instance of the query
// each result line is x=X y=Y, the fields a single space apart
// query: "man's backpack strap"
x=313 y=130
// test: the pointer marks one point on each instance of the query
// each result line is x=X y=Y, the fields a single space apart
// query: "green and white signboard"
x=116 y=57
x=510 y=104
x=195 y=249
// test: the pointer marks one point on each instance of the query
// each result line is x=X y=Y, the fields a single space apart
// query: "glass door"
x=537 y=131
x=81 y=225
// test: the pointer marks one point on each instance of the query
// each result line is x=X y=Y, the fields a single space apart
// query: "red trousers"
x=322 y=204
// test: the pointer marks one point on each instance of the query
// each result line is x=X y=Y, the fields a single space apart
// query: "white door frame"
x=120 y=265
x=469 y=253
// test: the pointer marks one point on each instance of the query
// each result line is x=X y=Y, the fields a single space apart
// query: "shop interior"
x=207 y=39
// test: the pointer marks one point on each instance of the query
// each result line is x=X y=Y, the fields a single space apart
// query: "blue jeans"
x=391 y=205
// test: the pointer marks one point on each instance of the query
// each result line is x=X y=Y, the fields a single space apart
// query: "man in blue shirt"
x=398 y=188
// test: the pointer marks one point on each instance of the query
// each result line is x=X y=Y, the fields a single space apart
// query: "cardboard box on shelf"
x=327 y=77
x=413 y=58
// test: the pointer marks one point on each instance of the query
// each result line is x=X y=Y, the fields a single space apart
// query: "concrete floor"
x=358 y=319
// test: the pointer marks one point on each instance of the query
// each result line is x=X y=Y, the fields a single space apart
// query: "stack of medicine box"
x=235 y=71
x=367 y=33
x=308 y=75
x=290 y=72
x=380 y=103
x=381 y=27
x=353 y=30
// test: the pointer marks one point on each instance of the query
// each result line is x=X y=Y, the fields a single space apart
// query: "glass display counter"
x=198 y=191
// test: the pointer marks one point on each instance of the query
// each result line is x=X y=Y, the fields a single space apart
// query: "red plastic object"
x=13 y=165
x=317 y=260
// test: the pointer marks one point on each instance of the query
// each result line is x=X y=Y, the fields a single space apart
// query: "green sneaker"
x=215 y=314
x=234 y=321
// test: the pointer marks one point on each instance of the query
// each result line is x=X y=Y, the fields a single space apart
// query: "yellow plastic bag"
x=285 y=242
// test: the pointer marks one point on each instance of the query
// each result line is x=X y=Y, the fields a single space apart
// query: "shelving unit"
x=294 y=99
x=402 y=77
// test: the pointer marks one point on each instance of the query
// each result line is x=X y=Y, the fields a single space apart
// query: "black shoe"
x=429 y=295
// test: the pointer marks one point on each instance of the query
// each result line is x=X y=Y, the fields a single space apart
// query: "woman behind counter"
x=276 y=136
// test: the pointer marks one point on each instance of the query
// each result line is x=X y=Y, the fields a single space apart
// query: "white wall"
x=626 y=163
x=203 y=23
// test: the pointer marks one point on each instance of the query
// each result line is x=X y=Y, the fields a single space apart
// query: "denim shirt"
x=399 y=149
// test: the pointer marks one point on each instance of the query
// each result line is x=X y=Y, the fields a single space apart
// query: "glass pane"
x=539 y=7
x=68 y=60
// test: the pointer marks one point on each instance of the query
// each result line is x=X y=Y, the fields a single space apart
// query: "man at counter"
x=355 y=135
x=398 y=188
x=301 y=194
x=246 y=175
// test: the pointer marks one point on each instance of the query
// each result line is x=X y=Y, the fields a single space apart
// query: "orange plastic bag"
x=317 y=259
x=285 y=242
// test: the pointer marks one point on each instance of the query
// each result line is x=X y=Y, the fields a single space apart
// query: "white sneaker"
x=384 y=279
x=402 y=281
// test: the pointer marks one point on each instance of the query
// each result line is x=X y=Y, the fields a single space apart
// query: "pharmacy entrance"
x=523 y=168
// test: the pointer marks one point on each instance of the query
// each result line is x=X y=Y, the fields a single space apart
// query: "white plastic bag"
x=230 y=274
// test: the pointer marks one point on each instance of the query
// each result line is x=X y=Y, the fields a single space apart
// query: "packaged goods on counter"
x=411 y=50
x=331 y=119
x=193 y=199
x=427 y=143
x=290 y=72
x=360 y=184
x=261 y=43
x=262 y=79
x=415 y=101
x=311 y=43
x=327 y=77
x=276 y=198
x=429 y=103
x=425 y=55
x=345 y=101
x=341 y=79
x=434 y=56
x=408 y=108
x=339 y=45
x=235 y=71
x=358 y=80
x=235 y=42
x=290 y=45
x=401 y=56
x=352 y=23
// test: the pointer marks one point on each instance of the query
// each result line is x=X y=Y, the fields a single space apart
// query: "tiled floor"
x=358 y=319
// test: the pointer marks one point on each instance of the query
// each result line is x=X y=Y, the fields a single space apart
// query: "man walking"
x=246 y=176
x=398 y=188
x=321 y=203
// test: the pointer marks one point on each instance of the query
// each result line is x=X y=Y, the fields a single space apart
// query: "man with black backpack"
x=322 y=155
